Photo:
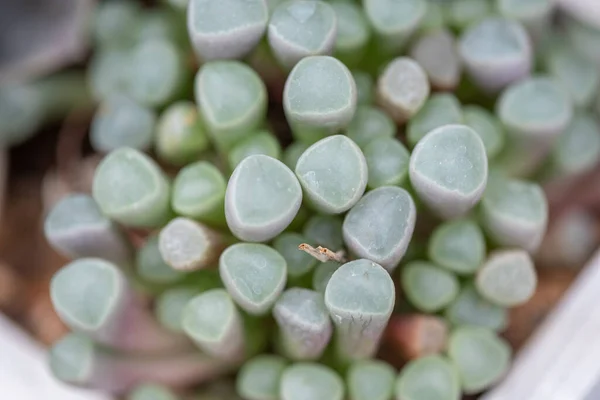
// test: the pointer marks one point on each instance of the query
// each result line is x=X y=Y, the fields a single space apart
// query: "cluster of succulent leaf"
x=419 y=130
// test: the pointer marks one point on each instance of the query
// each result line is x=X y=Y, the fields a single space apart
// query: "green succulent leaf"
x=226 y=29
x=263 y=196
x=302 y=28
x=481 y=357
x=380 y=226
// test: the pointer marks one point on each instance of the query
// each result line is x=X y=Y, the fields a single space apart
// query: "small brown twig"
x=323 y=254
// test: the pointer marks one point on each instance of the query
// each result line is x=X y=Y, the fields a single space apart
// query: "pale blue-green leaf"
x=370 y=123
x=370 y=380
x=360 y=297
x=254 y=275
x=226 y=28
x=387 y=161
x=77 y=228
x=263 y=196
x=180 y=135
x=428 y=287
x=481 y=357
x=232 y=100
x=469 y=308
x=458 y=246
x=508 y=278
x=304 y=325
x=514 y=213
x=402 y=88
x=302 y=28
x=428 y=378
x=439 y=110
x=380 y=226
x=122 y=122
x=448 y=170
x=496 y=52
x=303 y=381
x=130 y=188
x=260 y=377
x=199 y=192
x=333 y=173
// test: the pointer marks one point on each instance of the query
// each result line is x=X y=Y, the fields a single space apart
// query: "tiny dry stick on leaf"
x=323 y=254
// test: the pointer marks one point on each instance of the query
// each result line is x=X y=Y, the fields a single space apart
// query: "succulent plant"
x=336 y=175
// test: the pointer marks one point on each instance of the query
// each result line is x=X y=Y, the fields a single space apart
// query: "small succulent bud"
x=115 y=23
x=231 y=98
x=438 y=110
x=108 y=72
x=429 y=288
x=469 y=308
x=214 y=323
x=387 y=162
x=463 y=13
x=199 y=193
x=226 y=29
x=496 y=52
x=353 y=32
x=577 y=150
x=130 y=188
x=304 y=325
x=436 y=53
x=487 y=126
x=333 y=174
x=319 y=98
x=533 y=15
x=514 y=213
x=458 y=246
x=180 y=135
x=257 y=207
x=402 y=89
x=379 y=227
x=288 y=27
x=262 y=142
x=260 y=377
x=325 y=383
x=507 y=278
x=577 y=74
x=534 y=111
x=448 y=170
x=394 y=21
x=370 y=380
x=480 y=356
x=254 y=275
x=121 y=122
x=370 y=123
x=77 y=228
x=433 y=375
x=157 y=73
